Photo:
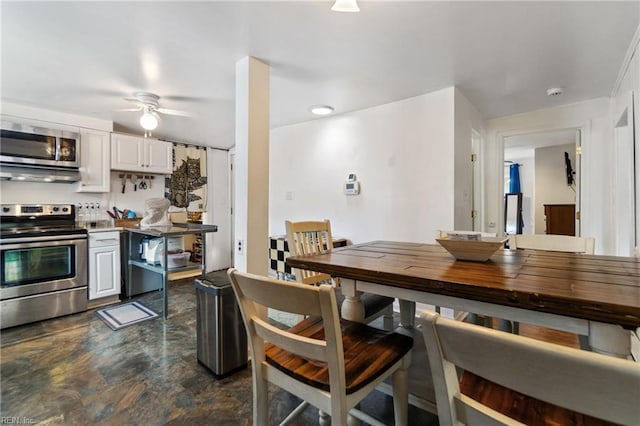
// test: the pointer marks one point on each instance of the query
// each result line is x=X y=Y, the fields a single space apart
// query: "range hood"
x=22 y=173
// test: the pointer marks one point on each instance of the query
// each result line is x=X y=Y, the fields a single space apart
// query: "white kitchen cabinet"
x=159 y=156
x=136 y=154
x=104 y=264
x=94 y=161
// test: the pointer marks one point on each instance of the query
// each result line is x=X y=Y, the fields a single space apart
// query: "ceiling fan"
x=150 y=107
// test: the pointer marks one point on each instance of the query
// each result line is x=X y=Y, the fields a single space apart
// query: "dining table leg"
x=609 y=339
x=407 y=313
x=352 y=306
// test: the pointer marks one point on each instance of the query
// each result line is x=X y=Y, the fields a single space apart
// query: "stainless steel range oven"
x=43 y=256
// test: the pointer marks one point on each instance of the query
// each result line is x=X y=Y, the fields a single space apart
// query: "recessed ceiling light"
x=321 y=109
x=554 y=91
x=345 y=6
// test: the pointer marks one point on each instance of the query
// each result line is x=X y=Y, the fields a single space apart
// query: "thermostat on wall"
x=352 y=188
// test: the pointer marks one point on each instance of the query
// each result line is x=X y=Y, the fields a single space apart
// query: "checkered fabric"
x=278 y=253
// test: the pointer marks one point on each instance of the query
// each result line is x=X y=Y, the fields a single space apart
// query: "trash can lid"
x=210 y=286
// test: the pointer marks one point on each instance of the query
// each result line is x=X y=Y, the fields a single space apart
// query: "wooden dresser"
x=560 y=219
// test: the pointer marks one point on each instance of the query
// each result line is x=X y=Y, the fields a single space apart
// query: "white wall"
x=551 y=180
x=402 y=154
x=594 y=120
x=251 y=166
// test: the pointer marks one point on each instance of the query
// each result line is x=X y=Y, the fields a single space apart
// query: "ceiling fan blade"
x=138 y=101
x=175 y=112
x=198 y=99
x=129 y=109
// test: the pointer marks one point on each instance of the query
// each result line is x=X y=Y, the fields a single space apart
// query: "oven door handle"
x=34 y=241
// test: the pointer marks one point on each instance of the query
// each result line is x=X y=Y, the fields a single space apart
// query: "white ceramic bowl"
x=477 y=251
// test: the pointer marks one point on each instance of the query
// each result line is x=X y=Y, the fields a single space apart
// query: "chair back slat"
x=563 y=243
x=471 y=412
x=306 y=238
x=567 y=377
x=300 y=345
x=297 y=300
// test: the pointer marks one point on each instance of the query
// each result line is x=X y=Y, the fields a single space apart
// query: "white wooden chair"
x=560 y=243
x=595 y=385
x=314 y=237
x=563 y=243
x=329 y=363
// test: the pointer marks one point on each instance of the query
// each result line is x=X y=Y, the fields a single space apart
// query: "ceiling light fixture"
x=555 y=91
x=148 y=121
x=345 y=6
x=321 y=109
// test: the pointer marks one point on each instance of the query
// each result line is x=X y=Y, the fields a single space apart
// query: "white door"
x=577 y=179
x=476 y=195
x=623 y=177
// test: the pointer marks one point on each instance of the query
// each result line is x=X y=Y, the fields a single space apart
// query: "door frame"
x=500 y=143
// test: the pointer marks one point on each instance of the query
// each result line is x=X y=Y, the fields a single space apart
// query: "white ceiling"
x=84 y=57
x=524 y=146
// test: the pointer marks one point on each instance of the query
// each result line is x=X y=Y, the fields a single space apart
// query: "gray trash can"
x=221 y=336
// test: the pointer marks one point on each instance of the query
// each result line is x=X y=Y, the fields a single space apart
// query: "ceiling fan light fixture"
x=345 y=6
x=554 y=91
x=148 y=121
x=321 y=109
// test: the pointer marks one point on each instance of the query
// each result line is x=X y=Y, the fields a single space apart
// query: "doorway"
x=549 y=172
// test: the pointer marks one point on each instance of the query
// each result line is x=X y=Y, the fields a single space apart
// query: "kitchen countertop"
x=103 y=226
x=174 y=229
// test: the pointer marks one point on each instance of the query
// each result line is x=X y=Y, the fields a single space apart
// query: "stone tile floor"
x=75 y=370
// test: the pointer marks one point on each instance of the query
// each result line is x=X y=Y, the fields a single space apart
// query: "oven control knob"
x=65 y=209
x=55 y=209
x=6 y=209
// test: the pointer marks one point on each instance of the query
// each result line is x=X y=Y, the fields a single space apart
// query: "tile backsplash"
x=36 y=192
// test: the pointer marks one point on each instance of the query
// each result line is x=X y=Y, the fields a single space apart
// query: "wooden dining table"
x=590 y=295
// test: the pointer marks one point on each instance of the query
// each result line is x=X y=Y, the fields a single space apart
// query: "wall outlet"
x=240 y=247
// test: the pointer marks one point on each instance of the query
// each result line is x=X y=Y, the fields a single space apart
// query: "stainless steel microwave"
x=29 y=145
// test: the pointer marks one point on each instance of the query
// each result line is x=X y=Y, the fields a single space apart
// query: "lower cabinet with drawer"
x=104 y=264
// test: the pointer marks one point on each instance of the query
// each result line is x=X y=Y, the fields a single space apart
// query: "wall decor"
x=187 y=185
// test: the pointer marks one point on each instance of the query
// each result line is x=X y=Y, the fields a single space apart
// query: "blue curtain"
x=514 y=178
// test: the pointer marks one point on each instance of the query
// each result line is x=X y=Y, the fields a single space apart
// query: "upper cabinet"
x=94 y=161
x=136 y=154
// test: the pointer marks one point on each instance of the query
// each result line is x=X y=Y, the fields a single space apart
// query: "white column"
x=251 y=169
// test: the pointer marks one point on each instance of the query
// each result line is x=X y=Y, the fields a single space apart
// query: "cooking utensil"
x=111 y=215
x=134 y=181
x=115 y=212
